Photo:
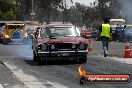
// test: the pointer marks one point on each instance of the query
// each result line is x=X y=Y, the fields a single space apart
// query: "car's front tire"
x=83 y=60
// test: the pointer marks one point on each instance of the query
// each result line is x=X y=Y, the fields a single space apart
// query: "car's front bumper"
x=16 y=41
x=64 y=55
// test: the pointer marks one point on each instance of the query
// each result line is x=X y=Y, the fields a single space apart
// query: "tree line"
x=57 y=10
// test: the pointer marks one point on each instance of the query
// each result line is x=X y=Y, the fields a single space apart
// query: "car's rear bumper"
x=64 y=55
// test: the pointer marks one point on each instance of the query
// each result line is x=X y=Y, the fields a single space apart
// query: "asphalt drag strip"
x=8 y=79
x=28 y=79
x=64 y=75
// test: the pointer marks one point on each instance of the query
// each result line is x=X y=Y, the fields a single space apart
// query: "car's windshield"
x=59 y=31
x=14 y=26
x=119 y=28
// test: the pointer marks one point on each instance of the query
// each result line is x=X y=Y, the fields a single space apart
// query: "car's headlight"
x=42 y=47
x=83 y=46
x=7 y=36
x=73 y=46
x=52 y=47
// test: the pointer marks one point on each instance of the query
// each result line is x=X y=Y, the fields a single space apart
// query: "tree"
x=125 y=6
x=75 y=14
x=23 y=9
x=109 y=8
x=94 y=15
x=48 y=6
x=7 y=10
x=50 y=9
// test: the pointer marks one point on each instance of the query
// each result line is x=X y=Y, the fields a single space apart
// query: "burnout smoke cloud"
x=126 y=6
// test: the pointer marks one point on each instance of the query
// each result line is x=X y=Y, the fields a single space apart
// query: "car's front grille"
x=63 y=46
x=16 y=35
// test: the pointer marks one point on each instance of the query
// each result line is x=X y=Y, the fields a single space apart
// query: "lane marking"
x=1 y=86
x=29 y=80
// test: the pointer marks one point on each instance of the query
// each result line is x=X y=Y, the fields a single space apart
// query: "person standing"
x=105 y=32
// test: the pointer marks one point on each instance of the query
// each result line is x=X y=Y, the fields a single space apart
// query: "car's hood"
x=61 y=40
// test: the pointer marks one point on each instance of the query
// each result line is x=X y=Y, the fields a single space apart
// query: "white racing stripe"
x=30 y=81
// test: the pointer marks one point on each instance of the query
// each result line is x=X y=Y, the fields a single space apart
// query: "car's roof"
x=57 y=25
x=12 y=22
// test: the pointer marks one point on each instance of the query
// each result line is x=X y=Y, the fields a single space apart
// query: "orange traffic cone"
x=127 y=52
x=90 y=45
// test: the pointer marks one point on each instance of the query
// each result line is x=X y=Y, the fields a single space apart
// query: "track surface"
x=16 y=64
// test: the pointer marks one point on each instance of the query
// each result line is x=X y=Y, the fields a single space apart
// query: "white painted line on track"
x=29 y=80
x=1 y=86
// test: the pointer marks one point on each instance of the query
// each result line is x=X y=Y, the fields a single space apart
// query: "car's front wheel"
x=84 y=60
